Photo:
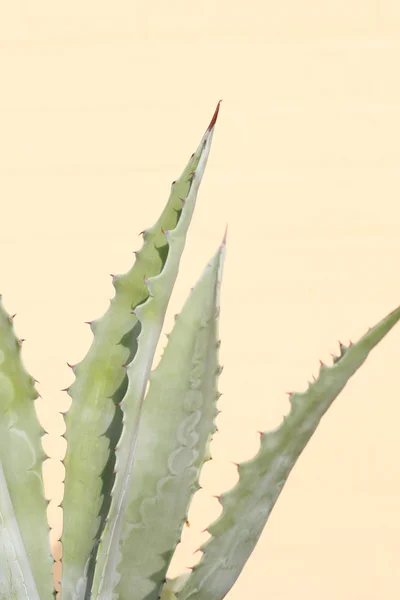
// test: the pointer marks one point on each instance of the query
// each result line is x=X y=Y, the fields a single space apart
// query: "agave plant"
x=135 y=452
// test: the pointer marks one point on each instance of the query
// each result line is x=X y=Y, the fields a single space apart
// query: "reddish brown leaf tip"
x=214 y=118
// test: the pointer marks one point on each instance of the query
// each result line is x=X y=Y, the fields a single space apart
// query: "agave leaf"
x=248 y=505
x=16 y=579
x=176 y=426
x=151 y=317
x=24 y=530
x=94 y=422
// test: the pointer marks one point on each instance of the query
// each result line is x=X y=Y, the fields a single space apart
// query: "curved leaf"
x=248 y=505
x=21 y=456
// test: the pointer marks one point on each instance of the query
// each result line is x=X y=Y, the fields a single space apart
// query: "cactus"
x=137 y=439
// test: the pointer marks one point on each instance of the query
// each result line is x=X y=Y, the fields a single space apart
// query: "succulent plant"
x=135 y=451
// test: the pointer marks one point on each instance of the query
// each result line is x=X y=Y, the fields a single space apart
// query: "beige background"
x=101 y=105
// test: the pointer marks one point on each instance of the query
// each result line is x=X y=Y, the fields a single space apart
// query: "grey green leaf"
x=21 y=456
x=94 y=421
x=176 y=426
x=151 y=315
x=248 y=505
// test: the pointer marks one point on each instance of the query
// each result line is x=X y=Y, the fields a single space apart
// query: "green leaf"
x=176 y=427
x=23 y=524
x=248 y=505
x=151 y=315
x=16 y=579
x=94 y=422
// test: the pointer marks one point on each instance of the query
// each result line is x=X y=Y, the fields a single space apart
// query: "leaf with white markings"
x=176 y=427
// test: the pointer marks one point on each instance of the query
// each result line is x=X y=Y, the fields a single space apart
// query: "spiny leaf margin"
x=247 y=506
x=150 y=315
x=94 y=422
x=177 y=424
x=22 y=455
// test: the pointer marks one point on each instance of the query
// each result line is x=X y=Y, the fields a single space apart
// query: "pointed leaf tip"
x=214 y=118
x=225 y=236
x=247 y=506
